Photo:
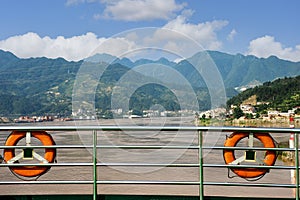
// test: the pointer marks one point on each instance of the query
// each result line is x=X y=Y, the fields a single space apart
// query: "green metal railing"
x=95 y=130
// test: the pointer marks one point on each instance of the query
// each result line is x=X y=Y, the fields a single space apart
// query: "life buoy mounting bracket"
x=249 y=154
x=28 y=153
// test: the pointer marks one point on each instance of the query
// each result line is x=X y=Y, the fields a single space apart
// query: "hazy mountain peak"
x=103 y=57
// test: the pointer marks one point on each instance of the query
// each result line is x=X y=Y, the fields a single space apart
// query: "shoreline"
x=278 y=123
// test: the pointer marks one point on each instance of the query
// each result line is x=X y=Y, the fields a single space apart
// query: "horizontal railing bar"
x=248 y=148
x=249 y=166
x=46 y=164
x=104 y=146
x=250 y=184
x=148 y=147
x=149 y=128
x=103 y=182
x=153 y=183
x=148 y=165
x=197 y=183
x=46 y=182
x=102 y=164
x=151 y=164
x=47 y=146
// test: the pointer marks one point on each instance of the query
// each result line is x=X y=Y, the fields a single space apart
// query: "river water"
x=132 y=173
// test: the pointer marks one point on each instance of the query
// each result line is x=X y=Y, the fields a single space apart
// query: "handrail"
x=150 y=128
x=95 y=130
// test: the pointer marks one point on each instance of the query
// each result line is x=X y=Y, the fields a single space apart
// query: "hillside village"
x=246 y=113
x=248 y=108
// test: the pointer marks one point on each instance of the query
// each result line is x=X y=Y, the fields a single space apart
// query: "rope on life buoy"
x=10 y=156
x=269 y=159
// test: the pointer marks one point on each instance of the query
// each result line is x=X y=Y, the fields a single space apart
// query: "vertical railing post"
x=201 y=187
x=94 y=165
x=297 y=164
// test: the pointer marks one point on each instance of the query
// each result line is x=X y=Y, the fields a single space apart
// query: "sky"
x=73 y=29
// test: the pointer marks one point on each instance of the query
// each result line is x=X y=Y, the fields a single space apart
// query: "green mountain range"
x=40 y=86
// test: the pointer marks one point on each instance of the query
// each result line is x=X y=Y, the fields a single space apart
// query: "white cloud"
x=172 y=37
x=203 y=33
x=267 y=46
x=134 y=10
x=141 y=10
x=181 y=37
x=231 y=35
x=116 y=46
x=74 y=48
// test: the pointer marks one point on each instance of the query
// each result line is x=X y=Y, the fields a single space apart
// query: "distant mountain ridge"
x=45 y=85
x=236 y=70
x=239 y=70
x=104 y=57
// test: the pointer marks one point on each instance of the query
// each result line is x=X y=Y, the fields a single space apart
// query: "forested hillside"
x=282 y=94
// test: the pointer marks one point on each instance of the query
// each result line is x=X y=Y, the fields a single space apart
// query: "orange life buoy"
x=269 y=159
x=30 y=171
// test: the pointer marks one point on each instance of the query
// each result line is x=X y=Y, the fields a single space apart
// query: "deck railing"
x=96 y=130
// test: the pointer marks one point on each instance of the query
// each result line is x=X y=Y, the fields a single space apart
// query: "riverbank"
x=276 y=123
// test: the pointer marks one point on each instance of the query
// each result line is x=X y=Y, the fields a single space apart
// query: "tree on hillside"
x=237 y=113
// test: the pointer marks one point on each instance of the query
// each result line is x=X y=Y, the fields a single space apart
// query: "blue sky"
x=71 y=28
